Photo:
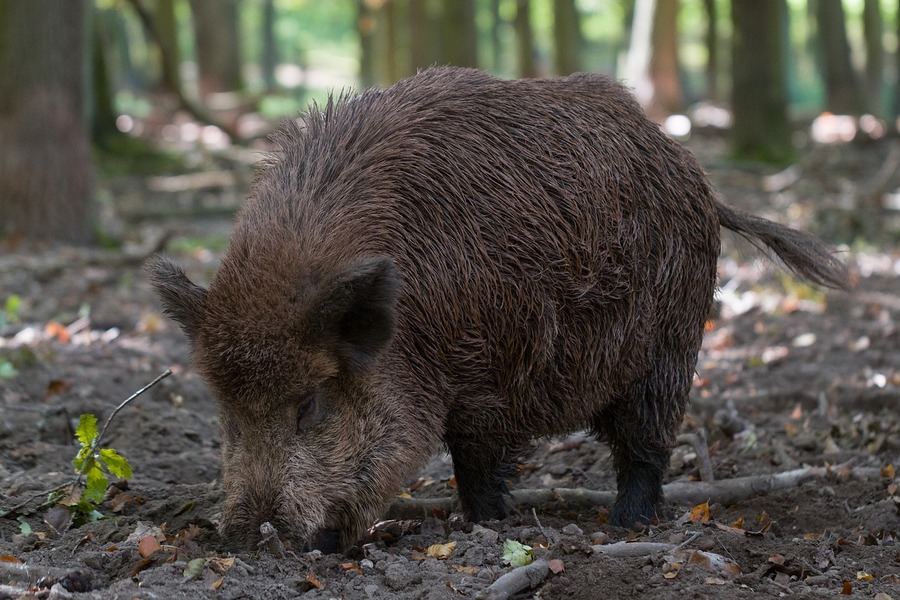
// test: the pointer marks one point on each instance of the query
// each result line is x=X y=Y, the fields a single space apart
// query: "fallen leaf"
x=440 y=551
x=219 y=564
x=314 y=581
x=57 y=330
x=351 y=566
x=714 y=581
x=9 y=559
x=732 y=530
x=846 y=588
x=739 y=524
x=517 y=554
x=217 y=583
x=145 y=562
x=888 y=472
x=194 y=568
x=700 y=513
x=556 y=566
x=148 y=545
x=186 y=507
x=863 y=576
x=466 y=570
x=451 y=483
x=56 y=386
x=797 y=413
x=777 y=559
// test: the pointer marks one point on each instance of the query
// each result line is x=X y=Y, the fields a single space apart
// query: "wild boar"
x=466 y=261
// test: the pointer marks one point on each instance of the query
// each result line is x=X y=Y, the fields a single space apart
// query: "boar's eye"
x=306 y=410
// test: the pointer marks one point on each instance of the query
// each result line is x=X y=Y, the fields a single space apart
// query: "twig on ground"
x=724 y=491
x=520 y=578
x=704 y=463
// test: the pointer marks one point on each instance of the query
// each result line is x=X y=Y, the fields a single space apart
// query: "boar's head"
x=313 y=438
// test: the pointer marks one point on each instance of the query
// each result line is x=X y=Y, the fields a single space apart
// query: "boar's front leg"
x=481 y=471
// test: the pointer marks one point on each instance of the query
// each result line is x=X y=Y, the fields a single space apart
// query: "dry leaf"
x=863 y=576
x=56 y=386
x=451 y=483
x=888 y=472
x=733 y=530
x=58 y=331
x=556 y=566
x=217 y=583
x=440 y=551
x=777 y=559
x=714 y=581
x=351 y=566
x=700 y=513
x=797 y=413
x=145 y=562
x=314 y=581
x=219 y=564
x=148 y=545
x=846 y=588
x=466 y=570
x=9 y=559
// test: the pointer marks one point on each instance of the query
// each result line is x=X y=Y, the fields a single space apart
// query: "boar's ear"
x=182 y=300
x=356 y=311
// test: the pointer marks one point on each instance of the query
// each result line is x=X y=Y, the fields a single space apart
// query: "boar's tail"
x=803 y=254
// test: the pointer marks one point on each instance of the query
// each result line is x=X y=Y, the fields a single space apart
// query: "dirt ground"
x=788 y=378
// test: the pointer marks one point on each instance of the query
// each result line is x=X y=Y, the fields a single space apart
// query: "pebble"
x=488 y=536
x=370 y=590
x=366 y=564
x=598 y=538
x=396 y=577
x=572 y=529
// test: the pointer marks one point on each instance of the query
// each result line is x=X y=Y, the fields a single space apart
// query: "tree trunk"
x=873 y=30
x=759 y=90
x=639 y=45
x=170 y=58
x=269 y=59
x=712 y=51
x=524 y=39
x=420 y=33
x=46 y=183
x=460 y=34
x=217 y=46
x=664 y=75
x=840 y=81
x=567 y=37
x=496 y=43
x=103 y=115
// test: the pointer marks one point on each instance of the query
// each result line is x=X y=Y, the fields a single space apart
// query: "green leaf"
x=84 y=460
x=116 y=463
x=95 y=487
x=84 y=512
x=13 y=303
x=24 y=527
x=517 y=554
x=194 y=568
x=87 y=429
x=7 y=370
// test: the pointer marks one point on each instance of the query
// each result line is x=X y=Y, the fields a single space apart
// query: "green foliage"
x=517 y=554
x=95 y=463
x=7 y=370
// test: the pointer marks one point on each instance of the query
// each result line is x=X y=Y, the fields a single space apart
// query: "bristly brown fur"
x=462 y=260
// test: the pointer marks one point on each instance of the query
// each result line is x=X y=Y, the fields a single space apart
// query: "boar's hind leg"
x=640 y=428
x=481 y=474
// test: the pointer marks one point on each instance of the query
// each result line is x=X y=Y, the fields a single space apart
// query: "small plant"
x=93 y=465
x=10 y=313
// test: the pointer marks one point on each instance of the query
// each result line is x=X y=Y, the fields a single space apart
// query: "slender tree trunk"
x=420 y=55
x=524 y=39
x=712 y=50
x=218 y=45
x=759 y=92
x=46 y=184
x=841 y=90
x=496 y=44
x=269 y=59
x=103 y=115
x=170 y=59
x=366 y=25
x=873 y=30
x=638 y=65
x=567 y=37
x=664 y=73
x=460 y=33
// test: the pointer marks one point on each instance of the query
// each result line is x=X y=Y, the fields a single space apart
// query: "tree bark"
x=217 y=46
x=567 y=37
x=841 y=92
x=46 y=181
x=524 y=39
x=759 y=88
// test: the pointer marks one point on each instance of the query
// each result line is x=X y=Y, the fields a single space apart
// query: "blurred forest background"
x=94 y=89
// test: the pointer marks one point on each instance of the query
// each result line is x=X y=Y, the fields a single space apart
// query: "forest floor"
x=791 y=382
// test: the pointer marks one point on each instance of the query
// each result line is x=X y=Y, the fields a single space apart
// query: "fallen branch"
x=723 y=491
x=517 y=580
